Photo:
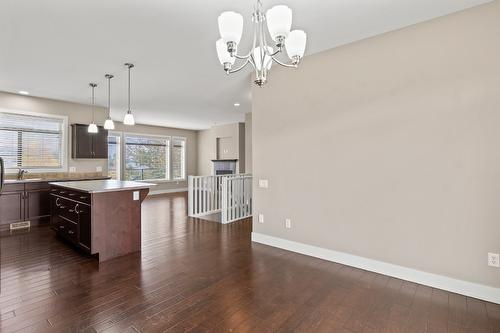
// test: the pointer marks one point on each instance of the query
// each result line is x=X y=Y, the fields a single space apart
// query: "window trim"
x=184 y=176
x=64 y=138
x=119 y=165
x=123 y=135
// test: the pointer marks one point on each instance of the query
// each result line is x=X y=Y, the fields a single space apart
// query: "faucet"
x=21 y=173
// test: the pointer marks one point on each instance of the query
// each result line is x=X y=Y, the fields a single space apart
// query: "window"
x=146 y=157
x=114 y=158
x=32 y=142
x=178 y=158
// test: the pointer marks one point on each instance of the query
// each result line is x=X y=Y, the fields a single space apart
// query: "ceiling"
x=54 y=48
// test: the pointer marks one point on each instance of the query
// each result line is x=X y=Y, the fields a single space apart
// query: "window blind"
x=31 y=142
x=146 y=157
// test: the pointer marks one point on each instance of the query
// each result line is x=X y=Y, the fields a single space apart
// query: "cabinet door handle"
x=76 y=208
x=61 y=227
x=83 y=197
x=57 y=202
x=71 y=232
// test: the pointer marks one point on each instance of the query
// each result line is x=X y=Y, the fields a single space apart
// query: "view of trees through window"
x=144 y=157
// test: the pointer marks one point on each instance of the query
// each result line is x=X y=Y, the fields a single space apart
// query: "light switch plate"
x=263 y=183
x=72 y=169
x=136 y=195
x=261 y=218
x=98 y=169
x=288 y=223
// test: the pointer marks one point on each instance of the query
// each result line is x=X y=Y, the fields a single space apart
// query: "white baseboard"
x=470 y=289
x=174 y=190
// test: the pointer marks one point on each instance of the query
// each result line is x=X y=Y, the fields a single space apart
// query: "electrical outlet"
x=136 y=195
x=288 y=223
x=98 y=169
x=493 y=260
x=261 y=218
x=72 y=169
x=263 y=183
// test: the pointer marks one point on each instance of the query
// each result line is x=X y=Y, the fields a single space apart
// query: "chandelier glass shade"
x=278 y=20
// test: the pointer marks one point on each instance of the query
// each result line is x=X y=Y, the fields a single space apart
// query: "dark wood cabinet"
x=24 y=202
x=71 y=216
x=11 y=205
x=37 y=201
x=88 y=145
x=84 y=226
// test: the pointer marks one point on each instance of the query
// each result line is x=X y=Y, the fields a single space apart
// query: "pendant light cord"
x=93 y=116
x=129 y=66
x=109 y=96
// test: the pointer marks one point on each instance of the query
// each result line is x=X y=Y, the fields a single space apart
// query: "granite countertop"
x=99 y=186
x=44 y=180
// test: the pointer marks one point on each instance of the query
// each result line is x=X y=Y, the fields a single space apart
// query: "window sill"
x=161 y=181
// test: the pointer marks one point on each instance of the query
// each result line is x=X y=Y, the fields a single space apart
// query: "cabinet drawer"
x=79 y=196
x=71 y=194
x=67 y=209
x=13 y=187
x=37 y=186
x=71 y=231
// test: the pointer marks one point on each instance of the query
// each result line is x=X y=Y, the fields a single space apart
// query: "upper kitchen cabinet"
x=88 y=145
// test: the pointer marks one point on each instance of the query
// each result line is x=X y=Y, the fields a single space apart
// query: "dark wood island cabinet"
x=99 y=217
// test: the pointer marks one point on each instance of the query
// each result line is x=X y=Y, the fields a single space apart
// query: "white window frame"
x=123 y=136
x=119 y=164
x=64 y=138
x=184 y=177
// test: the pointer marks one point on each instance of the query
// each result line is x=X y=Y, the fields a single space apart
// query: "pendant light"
x=109 y=124
x=93 y=127
x=129 y=117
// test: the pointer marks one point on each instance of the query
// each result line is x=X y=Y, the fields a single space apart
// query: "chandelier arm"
x=240 y=68
x=246 y=56
x=283 y=64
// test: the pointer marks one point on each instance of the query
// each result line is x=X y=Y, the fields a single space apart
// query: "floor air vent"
x=20 y=225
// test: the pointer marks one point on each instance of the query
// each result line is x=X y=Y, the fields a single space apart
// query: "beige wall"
x=79 y=113
x=248 y=142
x=207 y=146
x=389 y=148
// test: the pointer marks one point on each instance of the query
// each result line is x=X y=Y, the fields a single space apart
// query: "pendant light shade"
x=109 y=124
x=279 y=21
x=231 y=27
x=129 y=117
x=296 y=44
x=92 y=126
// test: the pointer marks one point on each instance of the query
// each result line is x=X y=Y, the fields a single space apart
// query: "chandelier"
x=261 y=56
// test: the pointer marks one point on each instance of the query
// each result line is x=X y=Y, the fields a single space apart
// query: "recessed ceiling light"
x=23 y=92
x=236 y=104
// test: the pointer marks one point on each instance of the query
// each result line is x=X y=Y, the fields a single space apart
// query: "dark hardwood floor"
x=200 y=276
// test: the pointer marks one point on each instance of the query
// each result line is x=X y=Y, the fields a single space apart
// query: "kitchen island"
x=100 y=217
